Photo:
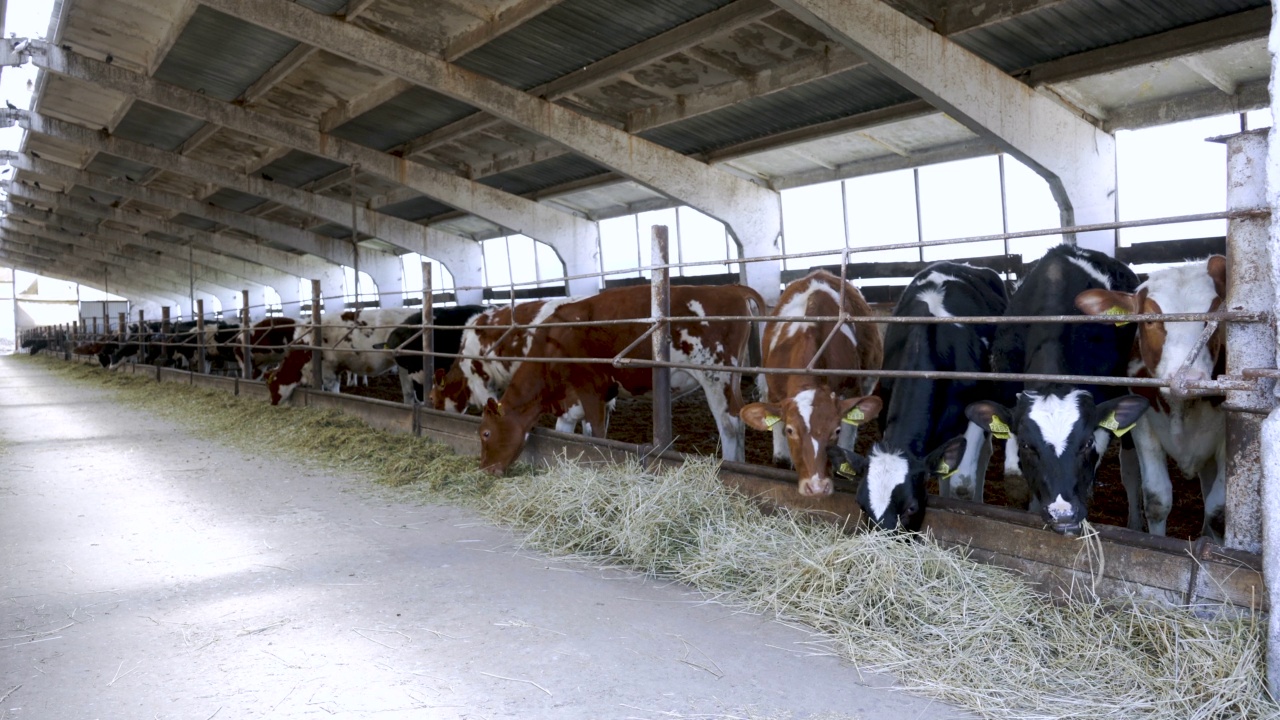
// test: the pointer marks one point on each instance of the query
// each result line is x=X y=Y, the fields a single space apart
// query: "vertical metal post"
x=919 y=213
x=660 y=309
x=428 y=345
x=95 y=324
x=200 y=354
x=246 y=337
x=1250 y=345
x=121 y=329
x=164 y=334
x=142 y=338
x=317 y=339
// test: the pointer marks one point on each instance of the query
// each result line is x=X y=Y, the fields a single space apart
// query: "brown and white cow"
x=471 y=383
x=349 y=341
x=1190 y=430
x=805 y=412
x=268 y=340
x=538 y=387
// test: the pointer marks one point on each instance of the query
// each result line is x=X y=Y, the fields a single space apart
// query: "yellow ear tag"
x=1117 y=310
x=846 y=470
x=853 y=417
x=1113 y=425
x=999 y=429
x=771 y=420
x=944 y=470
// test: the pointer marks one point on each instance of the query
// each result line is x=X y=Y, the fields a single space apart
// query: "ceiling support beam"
x=150 y=299
x=1076 y=158
x=459 y=255
x=752 y=213
x=575 y=239
x=506 y=21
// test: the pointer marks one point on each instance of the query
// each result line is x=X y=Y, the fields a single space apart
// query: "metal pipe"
x=200 y=349
x=660 y=309
x=246 y=337
x=317 y=338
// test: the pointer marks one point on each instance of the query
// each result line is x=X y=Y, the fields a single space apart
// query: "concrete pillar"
x=290 y=298
x=387 y=271
x=1270 y=431
x=1249 y=345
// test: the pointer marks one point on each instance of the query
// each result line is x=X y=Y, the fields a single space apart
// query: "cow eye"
x=484 y=434
x=791 y=432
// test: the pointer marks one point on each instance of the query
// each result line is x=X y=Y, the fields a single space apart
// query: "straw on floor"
x=971 y=634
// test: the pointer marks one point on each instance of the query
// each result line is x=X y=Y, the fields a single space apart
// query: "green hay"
x=971 y=634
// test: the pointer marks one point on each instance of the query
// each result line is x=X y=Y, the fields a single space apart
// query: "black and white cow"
x=1193 y=431
x=925 y=428
x=1055 y=433
x=446 y=338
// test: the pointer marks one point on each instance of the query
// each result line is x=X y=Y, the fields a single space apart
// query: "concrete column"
x=290 y=298
x=387 y=271
x=1249 y=345
x=1270 y=431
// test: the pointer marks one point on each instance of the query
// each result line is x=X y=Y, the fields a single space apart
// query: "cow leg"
x=406 y=387
x=718 y=389
x=1131 y=477
x=1213 y=488
x=1156 y=488
x=1015 y=485
x=968 y=481
x=568 y=422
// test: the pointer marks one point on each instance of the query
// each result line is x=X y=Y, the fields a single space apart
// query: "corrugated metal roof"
x=221 y=56
x=577 y=33
x=547 y=173
x=150 y=125
x=406 y=116
x=235 y=200
x=113 y=166
x=418 y=208
x=1067 y=28
x=298 y=168
x=848 y=93
x=194 y=222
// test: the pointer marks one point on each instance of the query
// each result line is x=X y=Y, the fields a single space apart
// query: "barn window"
x=441 y=278
x=522 y=261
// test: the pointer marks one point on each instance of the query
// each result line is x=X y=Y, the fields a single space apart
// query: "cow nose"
x=1069 y=529
x=817 y=486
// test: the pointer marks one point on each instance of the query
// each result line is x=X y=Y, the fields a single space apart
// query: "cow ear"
x=855 y=411
x=493 y=407
x=1217 y=267
x=761 y=416
x=1106 y=302
x=440 y=373
x=945 y=460
x=1119 y=415
x=847 y=463
x=992 y=417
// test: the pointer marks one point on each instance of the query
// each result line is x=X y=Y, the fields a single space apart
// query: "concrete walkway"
x=148 y=573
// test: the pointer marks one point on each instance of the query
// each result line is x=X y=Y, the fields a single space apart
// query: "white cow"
x=1193 y=431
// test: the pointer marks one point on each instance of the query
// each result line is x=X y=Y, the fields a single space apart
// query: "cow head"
x=1056 y=431
x=502 y=435
x=810 y=420
x=1164 y=347
x=892 y=490
x=450 y=392
x=284 y=378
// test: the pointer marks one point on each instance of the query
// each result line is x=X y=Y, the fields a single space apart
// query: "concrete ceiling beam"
x=136 y=295
x=574 y=238
x=1075 y=157
x=456 y=253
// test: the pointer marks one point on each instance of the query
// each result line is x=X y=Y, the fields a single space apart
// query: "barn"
x=372 y=175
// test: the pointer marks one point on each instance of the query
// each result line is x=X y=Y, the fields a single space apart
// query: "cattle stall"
x=1171 y=570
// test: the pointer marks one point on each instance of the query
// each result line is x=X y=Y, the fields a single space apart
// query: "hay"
x=971 y=634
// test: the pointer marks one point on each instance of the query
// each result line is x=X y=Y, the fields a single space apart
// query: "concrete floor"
x=149 y=573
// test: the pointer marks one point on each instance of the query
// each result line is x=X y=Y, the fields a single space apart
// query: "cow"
x=1193 y=431
x=446 y=338
x=805 y=412
x=538 y=387
x=35 y=345
x=220 y=346
x=269 y=339
x=1055 y=433
x=926 y=432
x=348 y=341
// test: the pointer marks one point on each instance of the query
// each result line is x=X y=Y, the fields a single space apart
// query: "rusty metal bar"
x=200 y=348
x=246 y=337
x=317 y=337
x=1179 y=386
x=660 y=309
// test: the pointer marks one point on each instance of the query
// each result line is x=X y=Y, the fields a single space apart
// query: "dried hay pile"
x=970 y=634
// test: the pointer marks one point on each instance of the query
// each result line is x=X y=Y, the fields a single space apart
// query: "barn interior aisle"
x=148 y=572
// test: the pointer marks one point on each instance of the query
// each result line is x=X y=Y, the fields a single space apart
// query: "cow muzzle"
x=816 y=486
